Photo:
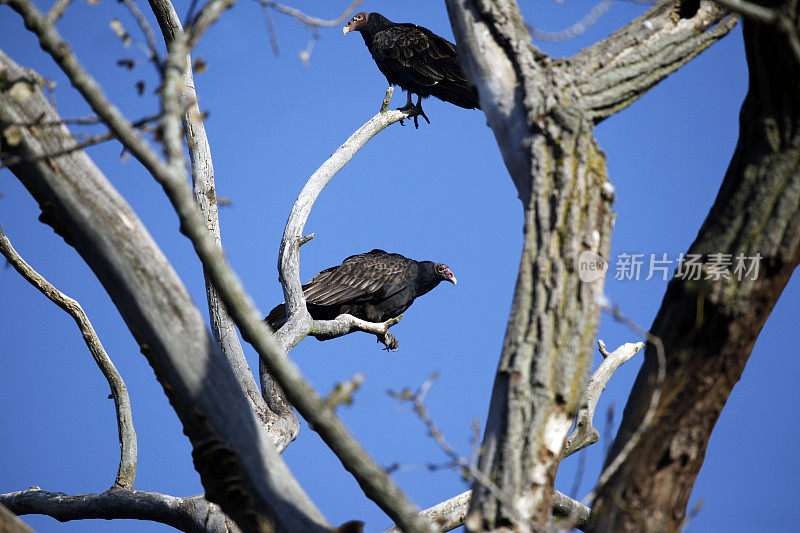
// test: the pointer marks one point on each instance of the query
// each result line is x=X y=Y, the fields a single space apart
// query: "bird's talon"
x=390 y=342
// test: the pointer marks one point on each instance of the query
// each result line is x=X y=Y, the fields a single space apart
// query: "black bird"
x=374 y=286
x=417 y=60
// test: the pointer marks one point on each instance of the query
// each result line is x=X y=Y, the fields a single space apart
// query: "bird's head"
x=356 y=23
x=444 y=272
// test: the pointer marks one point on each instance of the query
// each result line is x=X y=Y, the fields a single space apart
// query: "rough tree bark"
x=542 y=112
x=709 y=327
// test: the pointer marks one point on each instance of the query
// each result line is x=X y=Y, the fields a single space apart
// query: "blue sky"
x=438 y=193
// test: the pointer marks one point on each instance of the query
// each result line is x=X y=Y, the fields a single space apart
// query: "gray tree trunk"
x=542 y=112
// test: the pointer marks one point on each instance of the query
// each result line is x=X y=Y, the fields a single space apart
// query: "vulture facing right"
x=373 y=286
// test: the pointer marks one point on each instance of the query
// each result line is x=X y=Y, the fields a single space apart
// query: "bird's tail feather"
x=277 y=317
x=462 y=95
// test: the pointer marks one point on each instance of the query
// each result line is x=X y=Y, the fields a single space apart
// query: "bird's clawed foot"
x=389 y=341
x=414 y=111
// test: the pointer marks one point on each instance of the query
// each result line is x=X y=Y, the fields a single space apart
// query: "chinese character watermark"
x=640 y=266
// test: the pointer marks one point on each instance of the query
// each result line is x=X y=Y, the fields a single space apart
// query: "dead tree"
x=542 y=112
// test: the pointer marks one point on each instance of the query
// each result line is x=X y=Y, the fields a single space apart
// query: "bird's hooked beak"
x=452 y=279
x=347 y=27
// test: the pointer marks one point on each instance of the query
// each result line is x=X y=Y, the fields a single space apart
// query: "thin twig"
x=80 y=121
x=312 y=23
x=343 y=392
x=750 y=10
x=88 y=141
x=576 y=29
x=308 y=19
x=468 y=469
x=58 y=10
x=273 y=35
x=126 y=473
x=144 y=25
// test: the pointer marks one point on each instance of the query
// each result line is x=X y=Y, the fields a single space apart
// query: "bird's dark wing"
x=412 y=55
x=359 y=277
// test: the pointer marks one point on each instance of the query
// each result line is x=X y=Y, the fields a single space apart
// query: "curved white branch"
x=585 y=433
x=299 y=322
x=126 y=472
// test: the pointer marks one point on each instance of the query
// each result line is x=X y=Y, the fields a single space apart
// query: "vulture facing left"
x=417 y=60
x=373 y=286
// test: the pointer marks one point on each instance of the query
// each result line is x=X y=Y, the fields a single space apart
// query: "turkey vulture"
x=417 y=60
x=374 y=286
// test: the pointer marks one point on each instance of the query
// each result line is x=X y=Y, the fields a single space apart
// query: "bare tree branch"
x=279 y=418
x=344 y=324
x=374 y=480
x=92 y=140
x=307 y=19
x=585 y=433
x=57 y=11
x=192 y=514
x=613 y=73
x=144 y=25
x=576 y=29
x=231 y=452
x=452 y=513
x=299 y=323
x=750 y=10
x=126 y=472
x=613 y=465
